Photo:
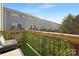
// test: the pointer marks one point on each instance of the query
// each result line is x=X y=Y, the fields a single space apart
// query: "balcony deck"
x=45 y=43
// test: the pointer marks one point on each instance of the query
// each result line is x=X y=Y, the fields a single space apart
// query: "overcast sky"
x=52 y=12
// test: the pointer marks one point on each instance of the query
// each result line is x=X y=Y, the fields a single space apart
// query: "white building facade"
x=15 y=19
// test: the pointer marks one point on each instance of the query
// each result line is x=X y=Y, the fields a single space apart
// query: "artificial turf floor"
x=26 y=50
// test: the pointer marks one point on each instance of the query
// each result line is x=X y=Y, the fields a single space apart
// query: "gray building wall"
x=13 y=18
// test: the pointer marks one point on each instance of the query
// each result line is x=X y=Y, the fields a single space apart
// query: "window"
x=14 y=25
x=34 y=27
x=31 y=26
x=41 y=27
x=19 y=26
x=14 y=14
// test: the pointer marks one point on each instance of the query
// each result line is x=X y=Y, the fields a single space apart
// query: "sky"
x=54 y=12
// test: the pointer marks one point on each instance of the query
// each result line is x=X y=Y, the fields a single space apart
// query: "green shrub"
x=46 y=45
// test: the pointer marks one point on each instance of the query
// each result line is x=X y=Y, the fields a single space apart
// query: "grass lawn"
x=26 y=50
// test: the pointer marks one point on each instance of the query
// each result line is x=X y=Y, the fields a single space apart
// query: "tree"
x=76 y=25
x=70 y=24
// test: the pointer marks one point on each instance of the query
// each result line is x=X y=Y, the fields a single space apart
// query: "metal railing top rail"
x=71 y=37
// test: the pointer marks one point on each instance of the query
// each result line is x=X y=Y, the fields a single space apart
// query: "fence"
x=46 y=43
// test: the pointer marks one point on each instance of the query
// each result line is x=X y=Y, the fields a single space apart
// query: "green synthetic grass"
x=26 y=50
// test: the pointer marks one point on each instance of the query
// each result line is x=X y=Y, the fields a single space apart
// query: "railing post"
x=77 y=49
x=74 y=50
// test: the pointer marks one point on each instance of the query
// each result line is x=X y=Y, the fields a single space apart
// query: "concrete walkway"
x=16 y=52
